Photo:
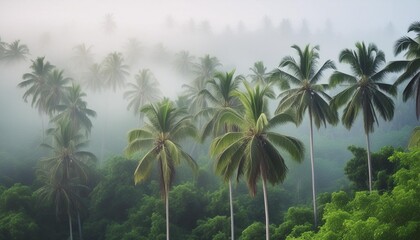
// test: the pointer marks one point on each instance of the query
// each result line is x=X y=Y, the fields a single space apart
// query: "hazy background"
x=238 y=33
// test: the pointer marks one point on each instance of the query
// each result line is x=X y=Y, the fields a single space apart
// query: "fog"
x=238 y=33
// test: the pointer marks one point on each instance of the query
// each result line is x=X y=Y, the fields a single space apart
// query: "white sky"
x=347 y=15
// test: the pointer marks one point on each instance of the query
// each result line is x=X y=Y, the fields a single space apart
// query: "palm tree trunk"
x=267 y=224
x=369 y=162
x=311 y=143
x=70 y=226
x=80 y=225
x=232 y=230
x=167 y=214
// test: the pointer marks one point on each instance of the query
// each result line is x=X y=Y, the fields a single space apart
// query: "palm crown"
x=410 y=67
x=366 y=91
x=251 y=151
x=167 y=125
x=309 y=94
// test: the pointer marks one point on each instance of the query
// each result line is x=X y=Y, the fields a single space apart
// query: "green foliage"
x=213 y=228
x=382 y=168
x=16 y=214
x=392 y=215
x=296 y=221
x=255 y=231
x=188 y=204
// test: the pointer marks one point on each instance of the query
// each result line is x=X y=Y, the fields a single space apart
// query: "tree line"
x=230 y=110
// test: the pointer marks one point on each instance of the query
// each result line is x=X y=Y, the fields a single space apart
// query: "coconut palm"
x=259 y=74
x=93 y=79
x=35 y=81
x=206 y=68
x=144 y=91
x=159 y=139
x=184 y=62
x=74 y=108
x=204 y=71
x=68 y=160
x=251 y=152
x=64 y=195
x=221 y=96
x=114 y=70
x=15 y=52
x=54 y=90
x=67 y=168
x=308 y=95
x=109 y=24
x=411 y=66
x=83 y=57
x=365 y=91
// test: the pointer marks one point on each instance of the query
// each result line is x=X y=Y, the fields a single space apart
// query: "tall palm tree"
x=68 y=160
x=64 y=195
x=109 y=24
x=15 y=52
x=54 y=90
x=308 y=95
x=259 y=74
x=67 y=168
x=184 y=62
x=114 y=70
x=35 y=81
x=251 y=152
x=411 y=66
x=74 y=108
x=204 y=71
x=144 y=90
x=83 y=57
x=365 y=91
x=94 y=78
x=159 y=139
x=221 y=96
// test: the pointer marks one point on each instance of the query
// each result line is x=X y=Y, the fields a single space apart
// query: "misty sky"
x=346 y=15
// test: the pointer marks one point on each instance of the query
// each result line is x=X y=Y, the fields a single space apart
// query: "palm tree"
x=308 y=95
x=259 y=74
x=74 y=108
x=184 y=62
x=94 y=78
x=114 y=70
x=68 y=167
x=365 y=92
x=206 y=68
x=251 y=152
x=83 y=57
x=68 y=160
x=54 y=91
x=159 y=139
x=204 y=71
x=64 y=195
x=144 y=91
x=109 y=23
x=411 y=66
x=15 y=52
x=220 y=94
x=35 y=81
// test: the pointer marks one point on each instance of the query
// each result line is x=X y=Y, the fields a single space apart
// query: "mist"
x=237 y=32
